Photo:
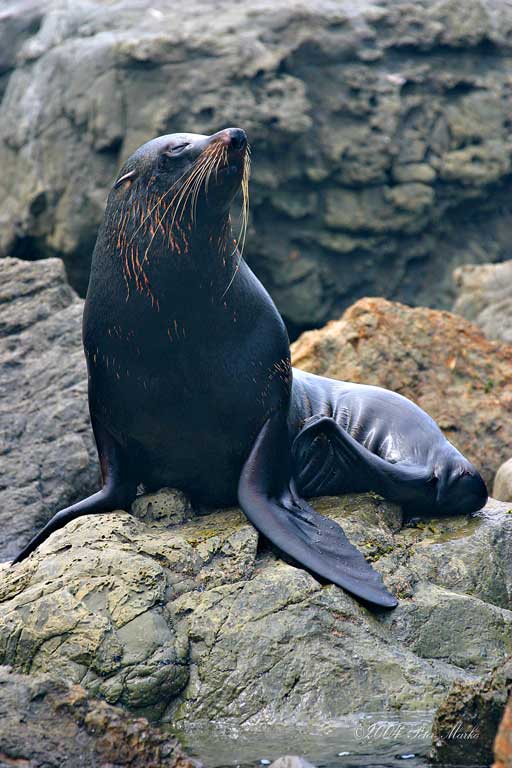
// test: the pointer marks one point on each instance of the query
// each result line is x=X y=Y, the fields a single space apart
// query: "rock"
x=195 y=622
x=439 y=360
x=168 y=504
x=47 y=723
x=502 y=488
x=484 y=296
x=47 y=451
x=376 y=171
x=466 y=723
x=503 y=741
x=291 y=761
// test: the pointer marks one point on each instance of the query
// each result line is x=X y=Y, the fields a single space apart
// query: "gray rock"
x=46 y=451
x=376 y=171
x=192 y=621
x=502 y=488
x=484 y=295
x=47 y=723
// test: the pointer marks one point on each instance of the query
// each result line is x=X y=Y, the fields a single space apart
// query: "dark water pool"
x=376 y=740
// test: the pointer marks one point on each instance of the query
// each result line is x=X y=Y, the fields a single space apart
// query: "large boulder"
x=173 y=614
x=484 y=296
x=382 y=147
x=439 y=360
x=47 y=451
x=47 y=723
x=502 y=488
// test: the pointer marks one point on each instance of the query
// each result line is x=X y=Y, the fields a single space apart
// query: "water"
x=379 y=740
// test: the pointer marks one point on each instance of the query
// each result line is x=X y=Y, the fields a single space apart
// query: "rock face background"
x=381 y=132
x=484 y=296
x=171 y=614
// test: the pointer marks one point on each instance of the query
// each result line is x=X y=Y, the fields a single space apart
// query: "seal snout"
x=462 y=492
x=234 y=138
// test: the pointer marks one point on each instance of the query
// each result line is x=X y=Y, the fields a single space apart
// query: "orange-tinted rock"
x=441 y=361
x=503 y=741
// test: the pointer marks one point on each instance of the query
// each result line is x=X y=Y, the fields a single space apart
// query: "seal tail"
x=319 y=544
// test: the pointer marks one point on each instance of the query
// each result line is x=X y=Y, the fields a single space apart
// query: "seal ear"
x=267 y=495
x=127 y=177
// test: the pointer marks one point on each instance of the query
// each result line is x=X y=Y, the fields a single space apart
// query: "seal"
x=191 y=384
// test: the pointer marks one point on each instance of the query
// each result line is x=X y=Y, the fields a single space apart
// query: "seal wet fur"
x=191 y=385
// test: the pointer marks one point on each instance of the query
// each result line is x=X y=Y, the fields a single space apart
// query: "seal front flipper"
x=267 y=497
x=357 y=468
x=118 y=491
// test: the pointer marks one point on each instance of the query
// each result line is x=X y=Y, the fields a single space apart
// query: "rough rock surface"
x=484 y=296
x=467 y=721
x=47 y=454
x=47 y=723
x=381 y=131
x=291 y=761
x=503 y=742
x=439 y=360
x=502 y=488
x=192 y=620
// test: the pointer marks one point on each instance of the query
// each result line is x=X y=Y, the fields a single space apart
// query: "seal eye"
x=176 y=150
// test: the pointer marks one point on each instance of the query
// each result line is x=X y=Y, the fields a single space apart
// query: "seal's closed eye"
x=172 y=151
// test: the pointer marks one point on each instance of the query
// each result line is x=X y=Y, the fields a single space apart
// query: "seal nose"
x=237 y=138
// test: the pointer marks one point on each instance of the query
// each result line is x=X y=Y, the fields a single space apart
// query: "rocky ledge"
x=171 y=614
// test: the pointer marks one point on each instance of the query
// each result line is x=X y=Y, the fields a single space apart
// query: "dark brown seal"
x=191 y=386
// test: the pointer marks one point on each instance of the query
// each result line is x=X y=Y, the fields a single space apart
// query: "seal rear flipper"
x=358 y=468
x=314 y=541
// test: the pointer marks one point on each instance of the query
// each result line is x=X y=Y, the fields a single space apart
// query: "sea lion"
x=191 y=385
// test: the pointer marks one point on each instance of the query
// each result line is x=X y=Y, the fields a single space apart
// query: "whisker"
x=244 y=217
x=158 y=202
